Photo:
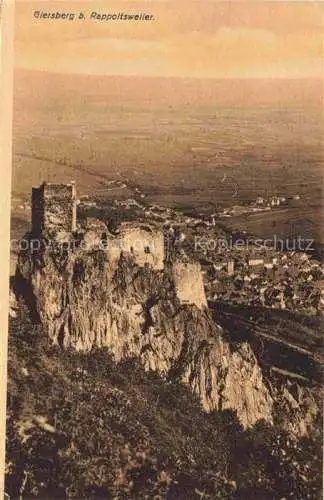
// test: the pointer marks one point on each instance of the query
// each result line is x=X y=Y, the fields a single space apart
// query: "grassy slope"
x=80 y=426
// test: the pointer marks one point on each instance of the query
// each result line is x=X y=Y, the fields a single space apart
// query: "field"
x=188 y=143
x=305 y=220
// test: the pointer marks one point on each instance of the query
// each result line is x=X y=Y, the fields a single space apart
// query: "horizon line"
x=175 y=77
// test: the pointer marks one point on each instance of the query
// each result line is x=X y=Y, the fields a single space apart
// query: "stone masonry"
x=54 y=208
x=54 y=211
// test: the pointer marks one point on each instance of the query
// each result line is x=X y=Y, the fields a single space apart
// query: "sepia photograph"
x=166 y=283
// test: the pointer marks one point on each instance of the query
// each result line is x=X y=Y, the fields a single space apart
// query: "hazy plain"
x=187 y=143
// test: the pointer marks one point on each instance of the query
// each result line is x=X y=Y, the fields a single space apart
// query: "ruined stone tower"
x=54 y=207
x=189 y=283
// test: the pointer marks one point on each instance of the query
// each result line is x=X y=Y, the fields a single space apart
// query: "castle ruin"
x=54 y=211
x=189 y=283
x=146 y=245
x=54 y=208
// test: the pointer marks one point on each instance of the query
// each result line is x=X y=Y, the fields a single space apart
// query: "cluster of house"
x=261 y=204
x=273 y=201
x=285 y=280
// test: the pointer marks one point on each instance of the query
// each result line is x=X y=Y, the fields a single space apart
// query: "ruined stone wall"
x=54 y=207
x=189 y=283
x=146 y=247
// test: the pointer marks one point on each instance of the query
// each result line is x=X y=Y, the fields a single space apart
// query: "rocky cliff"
x=85 y=301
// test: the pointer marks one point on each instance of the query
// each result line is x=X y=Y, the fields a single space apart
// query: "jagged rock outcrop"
x=296 y=408
x=85 y=301
x=13 y=306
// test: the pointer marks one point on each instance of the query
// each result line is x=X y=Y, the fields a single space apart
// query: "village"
x=242 y=272
x=250 y=273
x=253 y=274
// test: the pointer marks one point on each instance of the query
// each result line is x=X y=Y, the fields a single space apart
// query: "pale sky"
x=212 y=39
